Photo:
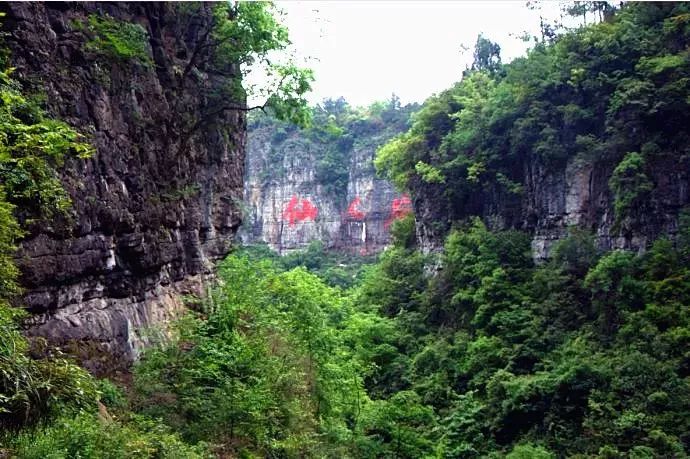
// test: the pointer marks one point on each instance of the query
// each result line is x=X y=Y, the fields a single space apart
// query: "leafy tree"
x=487 y=55
x=629 y=184
x=398 y=427
x=266 y=371
x=231 y=41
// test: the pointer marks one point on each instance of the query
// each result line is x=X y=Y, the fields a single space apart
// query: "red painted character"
x=399 y=208
x=353 y=210
x=297 y=211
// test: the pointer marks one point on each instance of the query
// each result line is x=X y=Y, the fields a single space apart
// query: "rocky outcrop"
x=157 y=203
x=556 y=197
x=288 y=205
x=578 y=194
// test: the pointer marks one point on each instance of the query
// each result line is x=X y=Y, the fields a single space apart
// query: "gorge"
x=500 y=271
x=320 y=184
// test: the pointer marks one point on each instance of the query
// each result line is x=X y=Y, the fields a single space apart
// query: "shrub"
x=111 y=395
x=89 y=437
x=629 y=184
x=528 y=451
x=119 y=40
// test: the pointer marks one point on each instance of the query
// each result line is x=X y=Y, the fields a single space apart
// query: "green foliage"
x=9 y=232
x=120 y=40
x=589 y=96
x=33 y=390
x=337 y=269
x=250 y=35
x=403 y=232
x=487 y=55
x=428 y=173
x=32 y=147
x=512 y=366
x=48 y=403
x=338 y=130
x=398 y=427
x=493 y=356
x=527 y=451
x=265 y=372
x=629 y=184
x=111 y=395
x=88 y=436
x=389 y=163
x=470 y=352
x=576 y=253
x=288 y=100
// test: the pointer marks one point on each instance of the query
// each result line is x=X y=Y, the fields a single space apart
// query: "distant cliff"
x=319 y=183
x=589 y=131
x=157 y=203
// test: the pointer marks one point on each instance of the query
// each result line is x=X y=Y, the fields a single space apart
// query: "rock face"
x=289 y=205
x=578 y=194
x=156 y=204
x=557 y=197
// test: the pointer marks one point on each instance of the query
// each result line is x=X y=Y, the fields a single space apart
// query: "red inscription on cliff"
x=353 y=210
x=298 y=211
x=399 y=208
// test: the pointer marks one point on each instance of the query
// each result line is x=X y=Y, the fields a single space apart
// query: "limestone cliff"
x=556 y=198
x=291 y=197
x=563 y=136
x=156 y=204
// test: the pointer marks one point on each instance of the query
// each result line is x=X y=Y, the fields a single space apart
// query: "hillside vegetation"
x=613 y=95
x=337 y=129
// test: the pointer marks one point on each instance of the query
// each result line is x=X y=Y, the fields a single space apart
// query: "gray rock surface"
x=157 y=203
x=281 y=180
x=557 y=197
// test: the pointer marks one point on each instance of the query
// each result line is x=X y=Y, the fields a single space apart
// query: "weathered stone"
x=270 y=189
x=156 y=205
x=559 y=196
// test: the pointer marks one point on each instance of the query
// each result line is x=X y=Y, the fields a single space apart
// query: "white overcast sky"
x=367 y=50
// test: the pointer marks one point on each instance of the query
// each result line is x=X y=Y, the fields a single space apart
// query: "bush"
x=89 y=437
x=119 y=40
x=111 y=395
x=528 y=451
x=629 y=184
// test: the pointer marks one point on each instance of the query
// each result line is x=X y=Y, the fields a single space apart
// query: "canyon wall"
x=290 y=198
x=556 y=198
x=157 y=203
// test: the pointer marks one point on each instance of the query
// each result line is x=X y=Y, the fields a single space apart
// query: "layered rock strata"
x=158 y=201
x=288 y=206
x=557 y=198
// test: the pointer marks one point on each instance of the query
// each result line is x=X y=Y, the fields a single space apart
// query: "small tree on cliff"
x=233 y=41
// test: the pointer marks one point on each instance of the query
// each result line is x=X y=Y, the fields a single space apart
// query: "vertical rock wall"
x=287 y=206
x=157 y=203
x=556 y=198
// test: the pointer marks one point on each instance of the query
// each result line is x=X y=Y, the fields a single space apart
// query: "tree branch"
x=210 y=115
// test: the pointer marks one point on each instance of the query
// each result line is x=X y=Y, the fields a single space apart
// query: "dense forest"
x=471 y=350
x=611 y=96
